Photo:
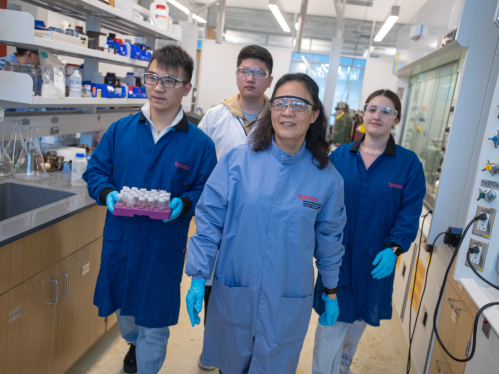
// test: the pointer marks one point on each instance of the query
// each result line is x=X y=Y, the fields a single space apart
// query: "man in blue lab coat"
x=142 y=259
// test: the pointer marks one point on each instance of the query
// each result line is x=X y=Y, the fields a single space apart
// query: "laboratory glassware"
x=30 y=165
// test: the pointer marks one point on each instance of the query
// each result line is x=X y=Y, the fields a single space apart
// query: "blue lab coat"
x=383 y=206
x=142 y=258
x=268 y=214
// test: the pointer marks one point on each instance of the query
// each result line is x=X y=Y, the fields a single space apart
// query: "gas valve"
x=492 y=168
x=487 y=195
x=495 y=139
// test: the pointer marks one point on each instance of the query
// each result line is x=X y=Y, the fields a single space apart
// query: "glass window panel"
x=319 y=58
x=346 y=61
x=359 y=62
x=297 y=56
x=279 y=41
x=298 y=67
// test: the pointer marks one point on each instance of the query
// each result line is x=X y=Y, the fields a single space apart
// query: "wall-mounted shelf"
x=19 y=95
x=112 y=18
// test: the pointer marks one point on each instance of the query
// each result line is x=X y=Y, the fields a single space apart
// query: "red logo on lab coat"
x=393 y=185
x=181 y=166
x=309 y=198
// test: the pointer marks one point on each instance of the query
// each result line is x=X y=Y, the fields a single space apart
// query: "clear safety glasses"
x=166 y=81
x=259 y=74
x=385 y=111
x=296 y=104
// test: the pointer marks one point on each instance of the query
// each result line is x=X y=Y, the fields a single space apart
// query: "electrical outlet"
x=482 y=225
x=484 y=228
x=475 y=257
x=478 y=259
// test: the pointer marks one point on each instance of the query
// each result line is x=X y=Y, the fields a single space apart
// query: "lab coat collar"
x=232 y=103
x=179 y=123
x=284 y=158
x=389 y=150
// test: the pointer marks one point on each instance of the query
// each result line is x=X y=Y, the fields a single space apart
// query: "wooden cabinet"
x=455 y=328
x=77 y=324
x=47 y=283
x=28 y=323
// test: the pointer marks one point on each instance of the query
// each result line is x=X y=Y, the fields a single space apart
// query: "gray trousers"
x=336 y=345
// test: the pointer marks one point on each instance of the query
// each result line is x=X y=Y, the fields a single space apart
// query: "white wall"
x=217 y=71
x=378 y=75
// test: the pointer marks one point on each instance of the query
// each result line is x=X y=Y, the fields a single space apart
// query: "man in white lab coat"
x=231 y=123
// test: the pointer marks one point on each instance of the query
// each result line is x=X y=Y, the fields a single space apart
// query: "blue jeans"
x=336 y=345
x=150 y=342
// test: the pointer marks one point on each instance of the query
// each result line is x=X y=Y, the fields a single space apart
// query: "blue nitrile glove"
x=194 y=300
x=111 y=199
x=176 y=207
x=387 y=260
x=332 y=312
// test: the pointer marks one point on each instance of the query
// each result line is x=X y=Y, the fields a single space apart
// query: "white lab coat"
x=225 y=129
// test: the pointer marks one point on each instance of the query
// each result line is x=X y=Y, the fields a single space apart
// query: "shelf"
x=19 y=95
x=112 y=18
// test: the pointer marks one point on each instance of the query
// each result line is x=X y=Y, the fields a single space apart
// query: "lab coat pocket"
x=231 y=304
x=293 y=318
x=179 y=185
x=167 y=259
x=111 y=246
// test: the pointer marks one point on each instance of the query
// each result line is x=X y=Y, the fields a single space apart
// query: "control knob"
x=492 y=168
x=487 y=195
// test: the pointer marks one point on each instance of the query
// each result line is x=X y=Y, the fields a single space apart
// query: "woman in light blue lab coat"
x=268 y=208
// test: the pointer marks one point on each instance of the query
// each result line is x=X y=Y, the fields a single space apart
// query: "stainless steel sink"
x=16 y=199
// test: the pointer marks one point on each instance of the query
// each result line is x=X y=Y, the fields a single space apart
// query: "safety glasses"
x=259 y=74
x=385 y=111
x=167 y=81
x=296 y=104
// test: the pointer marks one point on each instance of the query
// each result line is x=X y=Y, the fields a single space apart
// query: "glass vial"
x=141 y=202
x=130 y=203
x=119 y=200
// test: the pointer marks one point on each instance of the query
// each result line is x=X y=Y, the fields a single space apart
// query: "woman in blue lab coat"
x=269 y=208
x=384 y=191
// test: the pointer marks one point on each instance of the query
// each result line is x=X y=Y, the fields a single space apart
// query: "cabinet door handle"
x=438 y=368
x=449 y=300
x=67 y=285
x=56 y=292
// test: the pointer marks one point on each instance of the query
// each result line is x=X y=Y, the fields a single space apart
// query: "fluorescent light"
x=392 y=19
x=279 y=14
x=297 y=26
x=199 y=19
x=180 y=6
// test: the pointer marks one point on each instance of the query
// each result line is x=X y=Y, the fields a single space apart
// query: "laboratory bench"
x=49 y=262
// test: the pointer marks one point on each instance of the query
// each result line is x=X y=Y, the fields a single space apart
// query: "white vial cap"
x=161 y=199
x=142 y=198
x=120 y=195
x=168 y=194
x=154 y=190
x=134 y=189
x=143 y=189
x=126 y=188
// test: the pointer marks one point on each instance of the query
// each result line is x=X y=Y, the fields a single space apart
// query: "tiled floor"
x=382 y=350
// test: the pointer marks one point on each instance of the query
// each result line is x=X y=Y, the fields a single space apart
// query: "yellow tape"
x=340 y=115
x=362 y=129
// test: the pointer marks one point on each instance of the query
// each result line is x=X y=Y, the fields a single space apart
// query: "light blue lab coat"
x=268 y=214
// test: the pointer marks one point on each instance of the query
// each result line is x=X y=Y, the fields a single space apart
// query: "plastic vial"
x=161 y=204
x=156 y=202
x=130 y=201
x=150 y=203
x=141 y=203
x=167 y=201
x=119 y=201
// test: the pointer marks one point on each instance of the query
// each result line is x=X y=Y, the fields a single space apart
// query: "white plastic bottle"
x=159 y=13
x=75 y=84
x=130 y=79
x=78 y=167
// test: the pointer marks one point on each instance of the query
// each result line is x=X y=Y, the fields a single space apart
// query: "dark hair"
x=257 y=52
x=316 y=134
x=172 y=56
x=20 y=52
x=390 y=95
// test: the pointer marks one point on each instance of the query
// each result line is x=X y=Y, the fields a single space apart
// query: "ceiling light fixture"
x=390 y=21
x=199 y=19
x=367 y=52
x=180 y=6
x=279 y=13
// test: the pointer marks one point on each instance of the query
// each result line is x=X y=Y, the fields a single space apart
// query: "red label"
x=181 y=166
x=393 y=185
x=309 y=198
